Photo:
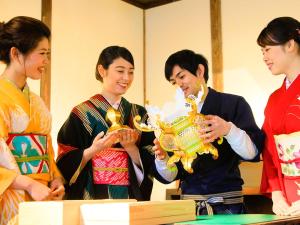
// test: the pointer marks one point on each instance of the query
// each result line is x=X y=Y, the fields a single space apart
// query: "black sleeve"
x=73 y=138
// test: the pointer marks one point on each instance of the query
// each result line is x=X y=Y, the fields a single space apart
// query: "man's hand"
x=160 y=154
x=213 y=127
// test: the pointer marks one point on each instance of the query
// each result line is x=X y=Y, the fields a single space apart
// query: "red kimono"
x=280 y=165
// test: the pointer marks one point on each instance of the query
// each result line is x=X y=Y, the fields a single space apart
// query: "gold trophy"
x=113 y=116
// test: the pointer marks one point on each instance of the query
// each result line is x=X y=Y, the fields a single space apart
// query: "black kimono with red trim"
x=78 y=132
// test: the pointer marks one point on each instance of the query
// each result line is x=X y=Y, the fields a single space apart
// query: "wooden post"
x=216 y=43
x=144 y=60
x=45 y=89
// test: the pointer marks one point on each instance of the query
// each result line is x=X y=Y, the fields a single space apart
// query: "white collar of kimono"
x=288 y=83
x=200 y=104
x=115 y=104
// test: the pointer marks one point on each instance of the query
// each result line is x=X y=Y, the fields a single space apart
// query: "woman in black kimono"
x=98 y=162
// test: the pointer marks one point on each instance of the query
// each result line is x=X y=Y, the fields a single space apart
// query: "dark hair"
x=109 y=54
x=279 y=31
x=21 y=32
x=188 y=60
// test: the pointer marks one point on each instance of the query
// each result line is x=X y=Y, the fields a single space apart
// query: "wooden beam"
x=45 y=89
x=149 y=3
x=144 y=60
x=216 y=43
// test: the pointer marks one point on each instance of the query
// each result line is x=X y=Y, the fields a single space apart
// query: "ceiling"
x=146 y=4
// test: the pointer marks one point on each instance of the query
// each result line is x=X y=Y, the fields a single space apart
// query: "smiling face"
x=276 y=58
x=118 y=77
x=37 y=60
x=189 y=83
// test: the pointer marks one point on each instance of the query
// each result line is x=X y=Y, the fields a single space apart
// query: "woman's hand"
x=35 y=189
x=38 y=191
x=280 y=205
x=294 y=210
x=128 y=137
x=57 y=189
x=100 y=143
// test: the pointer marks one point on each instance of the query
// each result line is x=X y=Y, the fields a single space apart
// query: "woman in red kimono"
x=280 y=43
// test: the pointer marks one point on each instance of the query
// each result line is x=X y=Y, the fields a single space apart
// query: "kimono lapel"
x=211 y=103
x=125 y=110
x=280 y=102
x=102 y=105
x=15 y=95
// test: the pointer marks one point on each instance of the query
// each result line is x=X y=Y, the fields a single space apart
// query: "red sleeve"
x=270 y=180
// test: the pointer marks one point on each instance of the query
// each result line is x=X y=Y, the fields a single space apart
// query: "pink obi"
x=110 y=166
x=288 y=148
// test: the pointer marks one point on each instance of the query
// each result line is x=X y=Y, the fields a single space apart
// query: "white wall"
x=169 y=28
x=81 y=30
x=244 y=71
x=12 y=8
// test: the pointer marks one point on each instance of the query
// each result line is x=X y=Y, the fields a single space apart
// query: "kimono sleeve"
x=270 y=180
x=6 y=177
x=72 y=139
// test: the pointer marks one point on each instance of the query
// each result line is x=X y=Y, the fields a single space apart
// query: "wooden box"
x=138 y=213
x=56 y=212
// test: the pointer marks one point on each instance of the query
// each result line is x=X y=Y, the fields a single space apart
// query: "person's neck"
x=111 y=98
x=294 y=70
x=204 y=90
x=16 y=78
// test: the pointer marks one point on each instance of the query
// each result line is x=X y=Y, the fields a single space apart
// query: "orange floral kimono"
x=25 y=146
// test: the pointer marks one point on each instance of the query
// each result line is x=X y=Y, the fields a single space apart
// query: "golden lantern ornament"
x=181 y=135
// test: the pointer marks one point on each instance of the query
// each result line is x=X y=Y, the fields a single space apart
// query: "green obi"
x=30 y=152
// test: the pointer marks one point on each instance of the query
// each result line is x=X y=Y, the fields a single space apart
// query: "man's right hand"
x=160 y=154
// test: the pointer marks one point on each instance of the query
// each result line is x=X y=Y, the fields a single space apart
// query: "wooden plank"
x=149 y=212
x=144 y=61
x=251 y=174
x=216 y=44
x=56 y=212
x=45 y=83
x=149 y=3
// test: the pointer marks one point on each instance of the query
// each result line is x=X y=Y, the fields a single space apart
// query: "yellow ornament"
x=181 y=137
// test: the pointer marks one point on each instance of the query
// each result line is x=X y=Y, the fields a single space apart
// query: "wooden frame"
x=216 y=40
x=45 y=89
x=216 y=44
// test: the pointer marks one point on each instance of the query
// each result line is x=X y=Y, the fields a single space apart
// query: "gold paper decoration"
x=182 y=137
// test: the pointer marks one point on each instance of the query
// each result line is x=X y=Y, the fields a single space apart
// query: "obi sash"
x=30 y=152
x=110 y=166
x=288 y=149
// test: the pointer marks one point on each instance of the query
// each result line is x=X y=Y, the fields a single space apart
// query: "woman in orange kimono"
x=280 y=43
x=27 y=167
